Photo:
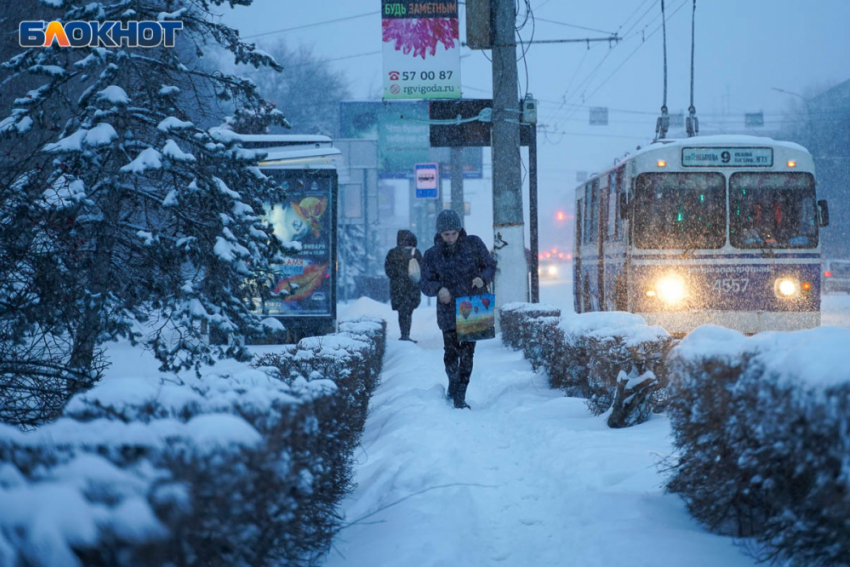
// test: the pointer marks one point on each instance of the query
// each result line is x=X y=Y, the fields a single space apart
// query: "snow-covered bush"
x=513 y=316
x=235 y=466
x=625 y=368
x=614 y=360
x=762 y=431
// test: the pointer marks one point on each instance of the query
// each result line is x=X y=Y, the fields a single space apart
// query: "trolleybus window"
x=775 y=210
x=680 y=210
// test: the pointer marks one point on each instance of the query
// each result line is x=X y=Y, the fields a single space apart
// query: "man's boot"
x=460 y=395
x=452 y=391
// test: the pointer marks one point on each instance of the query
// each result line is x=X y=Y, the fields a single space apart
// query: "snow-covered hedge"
x=762 y=430
x=236 y=466
x=614 y=360
x=514 y=321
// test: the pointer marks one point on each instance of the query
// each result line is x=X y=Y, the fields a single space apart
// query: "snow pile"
x=613 y=360
x=763 y=438
x=235 y=465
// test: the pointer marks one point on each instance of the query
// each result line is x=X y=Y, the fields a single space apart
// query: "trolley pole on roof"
x=508 y=231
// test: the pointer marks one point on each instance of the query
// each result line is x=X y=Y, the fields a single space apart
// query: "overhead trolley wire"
x=312 y=25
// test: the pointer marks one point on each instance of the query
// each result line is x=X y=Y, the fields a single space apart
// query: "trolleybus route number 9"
x=731 y=285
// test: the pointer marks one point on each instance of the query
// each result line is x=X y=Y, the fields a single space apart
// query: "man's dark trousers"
x=457 y=356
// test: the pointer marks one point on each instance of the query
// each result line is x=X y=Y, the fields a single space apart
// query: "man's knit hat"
x=448 y=220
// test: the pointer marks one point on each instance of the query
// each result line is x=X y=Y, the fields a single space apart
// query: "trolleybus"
x=716 y=229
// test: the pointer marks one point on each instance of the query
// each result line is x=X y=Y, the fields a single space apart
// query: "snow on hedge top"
x=231 y=387
x=50 y=519
x=523 y=307
x=815 y=357
x=711 y=341
x=203 y=434
x=113 y=94
x=361 y=326
x=580 y=324
x=335 y=346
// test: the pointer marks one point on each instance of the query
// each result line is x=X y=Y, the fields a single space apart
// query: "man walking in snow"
x=456 y=266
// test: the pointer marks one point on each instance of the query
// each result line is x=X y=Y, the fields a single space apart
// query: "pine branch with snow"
x=125 y=210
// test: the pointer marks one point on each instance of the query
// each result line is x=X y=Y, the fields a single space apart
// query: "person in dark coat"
x=456 y=266
x=404 y=290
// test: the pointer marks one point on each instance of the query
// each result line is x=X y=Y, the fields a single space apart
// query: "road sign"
x=427 y=180
x=599 y=116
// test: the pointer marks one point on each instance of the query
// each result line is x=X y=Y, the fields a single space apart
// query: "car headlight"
x=552 y=270
x=785 y=287
x=670 y=289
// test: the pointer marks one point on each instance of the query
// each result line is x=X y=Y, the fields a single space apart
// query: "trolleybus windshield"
x=680 y=210
x=775 y=210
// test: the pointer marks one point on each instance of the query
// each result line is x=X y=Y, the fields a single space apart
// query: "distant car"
x=551 y=269
x=836 y=276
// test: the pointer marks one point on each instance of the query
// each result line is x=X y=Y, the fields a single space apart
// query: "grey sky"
x=743 y=48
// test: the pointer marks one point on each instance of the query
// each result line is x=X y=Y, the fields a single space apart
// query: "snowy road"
x=527 y=478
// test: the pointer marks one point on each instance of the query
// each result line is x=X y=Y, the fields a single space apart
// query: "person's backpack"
x=413 y=271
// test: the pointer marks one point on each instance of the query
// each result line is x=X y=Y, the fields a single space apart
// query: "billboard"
x=421 y=47
x=302 y=285
x=403 y=134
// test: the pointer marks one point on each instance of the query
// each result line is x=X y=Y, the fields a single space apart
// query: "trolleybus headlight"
x=786 y=287
x=670 y=289
x=552 y=270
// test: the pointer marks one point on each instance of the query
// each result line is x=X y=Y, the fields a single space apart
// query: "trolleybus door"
x=577 y=258
x=602 y=199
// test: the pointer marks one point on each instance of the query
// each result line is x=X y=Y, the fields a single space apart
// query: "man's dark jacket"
x=454 y=268
x=404 y=292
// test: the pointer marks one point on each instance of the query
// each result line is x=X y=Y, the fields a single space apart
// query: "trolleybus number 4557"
x=731 y=285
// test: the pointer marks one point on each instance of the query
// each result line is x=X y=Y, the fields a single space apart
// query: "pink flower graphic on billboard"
x=420 y=35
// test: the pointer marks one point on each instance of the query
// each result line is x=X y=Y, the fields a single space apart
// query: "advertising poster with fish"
x=421 y=49
x=475 y=316
x=301 y=285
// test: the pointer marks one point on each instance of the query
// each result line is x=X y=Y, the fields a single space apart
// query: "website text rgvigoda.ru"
x=423 y=89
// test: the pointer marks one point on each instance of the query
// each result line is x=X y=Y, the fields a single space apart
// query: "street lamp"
x=809 y=127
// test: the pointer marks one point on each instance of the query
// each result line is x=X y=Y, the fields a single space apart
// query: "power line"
x=641 y=5
x=598 y=66
x=312 y=25
x=338 y=58
x=631 y=55
x=574 y=26
x=602 y=84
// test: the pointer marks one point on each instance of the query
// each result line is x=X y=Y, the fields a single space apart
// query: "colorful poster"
x=475 y=317
x=301 y=285
x=421 y=41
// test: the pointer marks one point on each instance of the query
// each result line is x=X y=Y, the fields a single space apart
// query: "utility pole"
x=457 y=179
x=508 y=232
x=532 y=213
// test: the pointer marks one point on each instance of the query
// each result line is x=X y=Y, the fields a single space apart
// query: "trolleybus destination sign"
x=727 y=157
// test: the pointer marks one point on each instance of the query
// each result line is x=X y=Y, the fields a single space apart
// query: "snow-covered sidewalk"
x=527 y=478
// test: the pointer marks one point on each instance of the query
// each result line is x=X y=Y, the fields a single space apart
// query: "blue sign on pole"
x=427 y=180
